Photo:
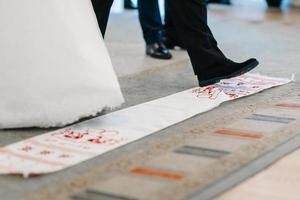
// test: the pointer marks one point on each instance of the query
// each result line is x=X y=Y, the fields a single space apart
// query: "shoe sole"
x=237 y=73
x=160 y=57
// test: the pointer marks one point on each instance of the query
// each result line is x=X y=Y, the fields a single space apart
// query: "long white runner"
x=63 y=148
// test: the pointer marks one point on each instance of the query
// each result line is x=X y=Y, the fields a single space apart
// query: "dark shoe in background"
x=171 y=44
x=225 y=2
x=226 y=70
x=274 y=3
x=128 y=4
x=158 y=50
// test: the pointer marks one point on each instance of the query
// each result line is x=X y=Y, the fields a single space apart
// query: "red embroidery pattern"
x=96 y=137
x=26 y=148
x=234 y=88
x=211 y=92
x=45 y=152
x=69 y=133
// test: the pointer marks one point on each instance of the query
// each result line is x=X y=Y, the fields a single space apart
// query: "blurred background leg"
x=152 y=26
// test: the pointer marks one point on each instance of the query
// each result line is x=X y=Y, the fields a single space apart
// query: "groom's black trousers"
x=190 y=20
x=102 y=9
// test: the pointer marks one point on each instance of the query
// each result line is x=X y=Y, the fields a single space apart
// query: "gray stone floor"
x=246 y=29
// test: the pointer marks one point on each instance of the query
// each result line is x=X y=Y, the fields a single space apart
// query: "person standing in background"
x=151 y=23
x=152 y=27
x=160 y=37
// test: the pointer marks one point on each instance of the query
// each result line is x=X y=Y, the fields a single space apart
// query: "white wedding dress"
x=54 y=67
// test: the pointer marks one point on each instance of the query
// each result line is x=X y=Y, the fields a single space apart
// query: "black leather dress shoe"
x=226 y=70
x=128 y=4
x=171 y=44
x=274 y=3
x=158 y=50
x=225 y=2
